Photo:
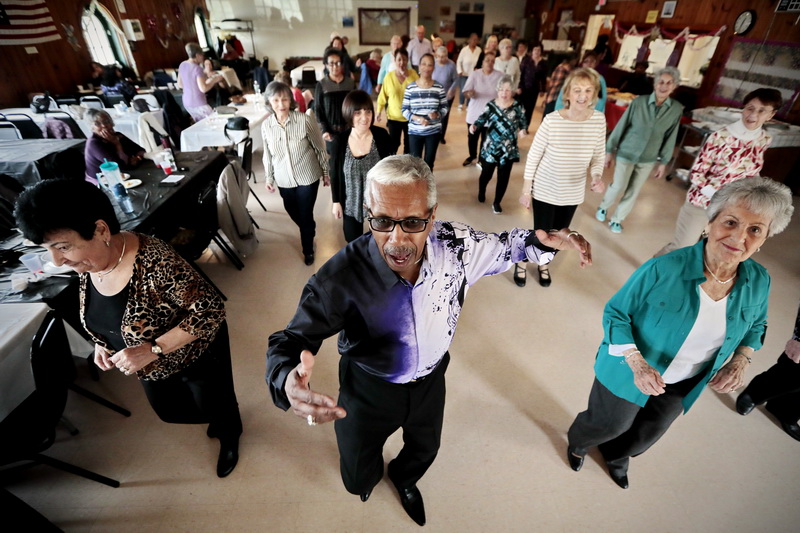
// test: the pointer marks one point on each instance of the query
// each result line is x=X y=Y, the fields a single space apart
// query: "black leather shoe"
x=228 y=457
x=520 y=275
x=365 y=496
x=544 y=277
x=443 y=141
x=621 y=479
x=308 y=259
x=744 y=404
x=575 y=461
x=791 y=428
x=412 y=503
x=468 y=161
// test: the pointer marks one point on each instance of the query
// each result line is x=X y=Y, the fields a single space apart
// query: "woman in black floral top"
x=147 y=310
x=504 y=120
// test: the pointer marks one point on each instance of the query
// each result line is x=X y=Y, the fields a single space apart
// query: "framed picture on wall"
x=477 y=7
x=376 y=26
x=133 y=29
x=463 y=7
x=668 y=11
x=444 y=11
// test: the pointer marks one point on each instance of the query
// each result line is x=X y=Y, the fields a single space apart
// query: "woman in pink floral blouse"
x=735 y=152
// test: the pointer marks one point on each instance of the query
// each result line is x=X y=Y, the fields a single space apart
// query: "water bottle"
x=113 y=180
x=256 y=89
x=168 y=159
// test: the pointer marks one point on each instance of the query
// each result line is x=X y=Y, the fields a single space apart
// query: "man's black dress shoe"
x=791 y=428
x=365 y=496
x=412 y=503
x=744 y=404
x=619 y=478
x=228 y=457
x=575 y=461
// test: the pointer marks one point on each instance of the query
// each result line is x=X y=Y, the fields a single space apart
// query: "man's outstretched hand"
x=305 y=402
x=565 y=239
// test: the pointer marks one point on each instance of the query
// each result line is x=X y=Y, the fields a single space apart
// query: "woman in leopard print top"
x=147 y=310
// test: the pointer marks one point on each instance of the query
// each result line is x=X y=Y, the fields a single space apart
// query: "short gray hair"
x=761 y=196
x=192 y=49
x=279 y=88
x=401 y=170
x=441 y=48
x=93 y=115
x=673 y=72
x=505 y=78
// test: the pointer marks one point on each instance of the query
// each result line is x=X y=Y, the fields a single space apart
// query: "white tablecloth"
x=297 y=72
x=19 y=322
x=211 y=130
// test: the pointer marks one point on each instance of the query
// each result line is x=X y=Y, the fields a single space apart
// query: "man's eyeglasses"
x=408 y=225
x=335 y=64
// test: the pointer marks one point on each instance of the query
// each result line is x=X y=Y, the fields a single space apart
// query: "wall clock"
x=744 y=22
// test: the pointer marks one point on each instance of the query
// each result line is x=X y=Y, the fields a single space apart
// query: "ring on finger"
x=311 y=420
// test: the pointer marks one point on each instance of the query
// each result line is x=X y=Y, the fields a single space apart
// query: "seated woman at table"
x=148 y=311
x=113 y=84
x=294 y=159
x=230 y=53
x=107 y=144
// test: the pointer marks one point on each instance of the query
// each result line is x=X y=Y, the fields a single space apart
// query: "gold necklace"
x=107 y=272
x=722 y=282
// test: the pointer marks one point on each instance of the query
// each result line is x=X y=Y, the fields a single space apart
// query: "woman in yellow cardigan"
x=391 y=99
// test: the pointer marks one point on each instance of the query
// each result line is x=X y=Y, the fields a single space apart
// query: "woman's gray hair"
x=93 y=115
x=401 y=170
x=673 y=72
x=505 y=78
x=762 y=196
x=192 y=49
x=441 y=48
x=279 y=88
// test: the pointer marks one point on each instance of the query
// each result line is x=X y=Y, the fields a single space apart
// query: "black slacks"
x=548 y=216
x=780 y=387
x=472 y=141
x=299 y=204
x=352 y=228
x=376 y=409
x=202 y=393
x=503 y=175
x=621 y=429
x=398 y=128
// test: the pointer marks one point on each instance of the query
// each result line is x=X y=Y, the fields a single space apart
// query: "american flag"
x=26 y=22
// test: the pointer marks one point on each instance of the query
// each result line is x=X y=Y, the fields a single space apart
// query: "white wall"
x=286 y=28
x=509 y=12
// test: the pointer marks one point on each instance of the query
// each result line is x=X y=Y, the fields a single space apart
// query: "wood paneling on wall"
x=58 y=67
x=702 y=16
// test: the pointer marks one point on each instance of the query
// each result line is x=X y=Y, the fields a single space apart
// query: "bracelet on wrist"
x=749 y=360
x=632 y=354
x=572 y=233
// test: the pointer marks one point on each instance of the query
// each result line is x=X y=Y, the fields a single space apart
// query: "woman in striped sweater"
x=424 y=105
x=569 y=142
x=294 y=159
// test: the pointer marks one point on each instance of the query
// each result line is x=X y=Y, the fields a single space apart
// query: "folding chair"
x=151 y=100
x=308 y=77
x=246 y=155
x=25 y=124
x=9 y=132
x=93 y=102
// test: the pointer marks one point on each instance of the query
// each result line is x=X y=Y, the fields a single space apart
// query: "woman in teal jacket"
x=671 y=328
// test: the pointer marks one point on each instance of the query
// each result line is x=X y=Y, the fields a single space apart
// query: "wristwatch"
x=156 y=349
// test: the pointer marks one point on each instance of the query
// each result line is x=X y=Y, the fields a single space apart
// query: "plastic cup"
x=33 y=262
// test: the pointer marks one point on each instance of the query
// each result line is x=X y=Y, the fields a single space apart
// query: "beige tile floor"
x=521 y=369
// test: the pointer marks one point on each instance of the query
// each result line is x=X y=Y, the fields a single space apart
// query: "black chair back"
x=25 y=124
x=9 y=132
x=175 y=119
x=10 y=189
x=247 y=156
x=308 y=77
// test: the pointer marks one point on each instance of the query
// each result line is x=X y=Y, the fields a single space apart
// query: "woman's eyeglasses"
x=335 y=64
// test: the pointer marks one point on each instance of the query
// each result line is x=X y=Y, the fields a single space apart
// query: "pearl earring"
x=108 y=244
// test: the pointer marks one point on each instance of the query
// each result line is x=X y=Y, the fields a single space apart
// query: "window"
x=200 y=26
x=105 y=40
